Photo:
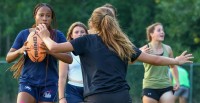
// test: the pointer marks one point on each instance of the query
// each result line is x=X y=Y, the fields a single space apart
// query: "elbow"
x=69 y=60
x=8 y=60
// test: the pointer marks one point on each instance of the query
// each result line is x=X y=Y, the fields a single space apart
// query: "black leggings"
x=117 y=97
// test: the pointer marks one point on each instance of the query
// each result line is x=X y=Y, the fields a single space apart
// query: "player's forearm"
x=12 y=55
x=175 y=74
x=61 y=87
x=64 y=57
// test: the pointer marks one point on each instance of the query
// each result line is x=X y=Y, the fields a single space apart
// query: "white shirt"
x=75 y=73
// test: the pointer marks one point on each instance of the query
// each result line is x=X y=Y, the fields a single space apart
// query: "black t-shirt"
x=103 y=70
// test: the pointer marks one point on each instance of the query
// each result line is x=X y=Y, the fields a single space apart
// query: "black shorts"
x=117 y=97
x=156 y=93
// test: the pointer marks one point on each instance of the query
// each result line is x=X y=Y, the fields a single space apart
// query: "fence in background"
x=9 y=86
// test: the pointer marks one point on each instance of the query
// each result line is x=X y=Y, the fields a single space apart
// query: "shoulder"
x=85 y=38
x=84 y=43
x=59 y=32
x=147 y=45
x=24 y=31
x=90 y=37
x=167 y=47
x=31 y=29
x=60 y=36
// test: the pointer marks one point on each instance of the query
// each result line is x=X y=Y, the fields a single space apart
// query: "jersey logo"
x=27 y=88
x=47 y=94
x=148 y=93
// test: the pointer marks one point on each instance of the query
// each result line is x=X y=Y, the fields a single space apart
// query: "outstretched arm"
x=51 y=45
x=65 y=57
x=160 y=60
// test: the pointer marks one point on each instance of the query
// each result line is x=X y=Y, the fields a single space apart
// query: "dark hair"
x=38 y=6
x=53 y=26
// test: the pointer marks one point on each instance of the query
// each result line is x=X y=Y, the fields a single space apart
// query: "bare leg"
x=24 y=97
x=146 y=99
x=182 y=100
x=167 y=97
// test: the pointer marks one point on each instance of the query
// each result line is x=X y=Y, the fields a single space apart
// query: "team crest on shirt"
x=47 y=94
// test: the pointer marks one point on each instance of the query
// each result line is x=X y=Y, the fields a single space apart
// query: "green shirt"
x=156 y=77
x=183 y=77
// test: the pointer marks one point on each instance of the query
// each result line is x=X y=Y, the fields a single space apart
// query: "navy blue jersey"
x=38 y=73
x=103 y=70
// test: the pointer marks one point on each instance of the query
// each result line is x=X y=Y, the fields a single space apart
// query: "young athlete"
x=156 y=85
x=104 y=58
x=72 y=72
x=38 y=82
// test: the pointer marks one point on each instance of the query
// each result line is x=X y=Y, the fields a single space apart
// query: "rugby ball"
x=36 y=53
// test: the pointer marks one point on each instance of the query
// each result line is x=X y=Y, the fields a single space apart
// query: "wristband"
x=61 y=98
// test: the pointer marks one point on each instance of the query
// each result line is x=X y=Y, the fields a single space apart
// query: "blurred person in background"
x=72 y=73
x=182 y=94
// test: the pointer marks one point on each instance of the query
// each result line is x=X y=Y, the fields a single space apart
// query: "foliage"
x=180 y=19
x=181 y=22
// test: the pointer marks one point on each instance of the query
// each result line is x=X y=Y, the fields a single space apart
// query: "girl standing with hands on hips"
x=105 y=56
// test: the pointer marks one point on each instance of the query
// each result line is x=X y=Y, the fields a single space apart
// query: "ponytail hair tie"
x=105 y=15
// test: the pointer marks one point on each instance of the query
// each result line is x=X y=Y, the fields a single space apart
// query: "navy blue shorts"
x=40 y=93
x=156 y=93
x=74 y=94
